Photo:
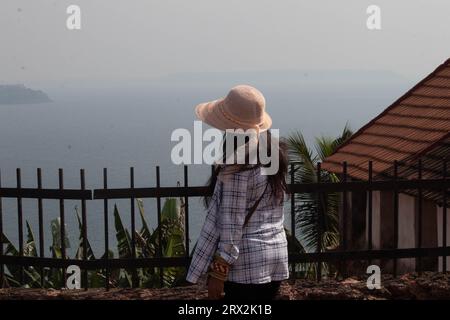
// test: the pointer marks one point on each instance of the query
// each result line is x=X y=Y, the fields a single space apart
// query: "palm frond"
x=307 y=205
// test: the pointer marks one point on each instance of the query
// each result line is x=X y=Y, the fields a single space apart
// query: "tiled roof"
x=416 y=123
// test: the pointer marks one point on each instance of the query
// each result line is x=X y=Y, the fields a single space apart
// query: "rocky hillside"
x=19 y=94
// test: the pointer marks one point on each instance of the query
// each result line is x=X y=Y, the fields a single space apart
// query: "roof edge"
x=411 y=158
x=392 y=105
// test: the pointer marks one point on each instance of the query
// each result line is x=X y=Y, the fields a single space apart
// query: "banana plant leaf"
x=171 y=210
x=122 y=236
x=89 y=251
x=12 y=271
x=144 y=237
x=55 y=248
x=124 y=248
x=31 y=275
x=29 y=249
x=145 y=231
x=172 y=234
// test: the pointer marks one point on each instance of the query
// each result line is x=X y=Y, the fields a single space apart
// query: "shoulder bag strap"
x=253 y=208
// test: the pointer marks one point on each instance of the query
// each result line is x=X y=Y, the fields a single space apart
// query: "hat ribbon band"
x=254 y=125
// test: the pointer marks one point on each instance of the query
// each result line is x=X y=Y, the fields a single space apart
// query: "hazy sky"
x=139 y=39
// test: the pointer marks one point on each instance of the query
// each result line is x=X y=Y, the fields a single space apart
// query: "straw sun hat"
x=243 y=108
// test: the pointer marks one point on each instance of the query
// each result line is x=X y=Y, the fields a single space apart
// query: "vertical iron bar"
x=2 y=267
x=319 y=222
x=106 y=230
x=20 y=223
x=133 y=229
x=444 y=215
x=394 y=270
x=41 y=224
x=292 y=201
x=369 y=218
x=62 y=224
x=420 y=209
x=343 y=231
x=293 y=214
x=186 y=212
x=344 y=207
x=84 y=230
x=158 y=205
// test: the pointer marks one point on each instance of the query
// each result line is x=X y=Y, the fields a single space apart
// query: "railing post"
x=41 y=225
x=106 y=228
x=186 y=212
x=319 y=222
x=344 y=207
x=370 y=209
x=2 y=267
x=394 y=269
x=293 y=235
x=62 y=224
x=20 y=224
x=158 y=206
x=134 y=276
x=84 y=230
x=343 y=231
x=419 y=214
x=444 y=215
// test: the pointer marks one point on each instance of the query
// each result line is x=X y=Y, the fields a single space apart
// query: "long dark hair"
x=276 y=181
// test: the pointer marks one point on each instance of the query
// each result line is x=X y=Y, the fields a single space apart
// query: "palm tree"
x=307 y=205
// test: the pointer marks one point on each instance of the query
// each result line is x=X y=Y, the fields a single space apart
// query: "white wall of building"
x=407 y=228
x=440 y=231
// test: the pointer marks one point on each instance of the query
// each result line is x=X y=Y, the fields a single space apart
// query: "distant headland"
x=19 y=94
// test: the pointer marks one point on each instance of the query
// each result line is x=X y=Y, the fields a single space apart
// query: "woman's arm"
x=231 y=215
x=207 y=242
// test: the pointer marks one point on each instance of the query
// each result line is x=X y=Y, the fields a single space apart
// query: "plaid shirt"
x=256 y=253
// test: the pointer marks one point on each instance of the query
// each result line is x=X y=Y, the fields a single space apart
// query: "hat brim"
x=209 y=113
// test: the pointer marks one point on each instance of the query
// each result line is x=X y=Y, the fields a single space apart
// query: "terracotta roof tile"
x=413 y=124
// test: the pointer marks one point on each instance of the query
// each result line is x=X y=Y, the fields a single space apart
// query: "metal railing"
x=345 y=186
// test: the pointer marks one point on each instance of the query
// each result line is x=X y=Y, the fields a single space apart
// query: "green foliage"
x=307 y=204
x=172 y=239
